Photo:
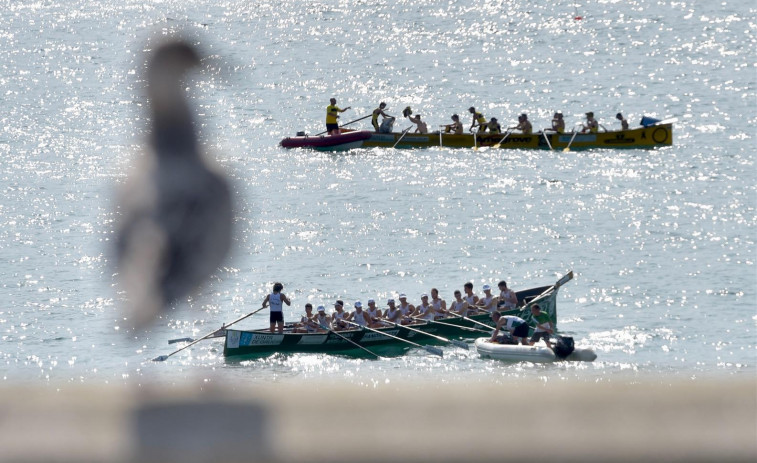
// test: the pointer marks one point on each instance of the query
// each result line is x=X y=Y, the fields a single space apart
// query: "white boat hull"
x=535 y=354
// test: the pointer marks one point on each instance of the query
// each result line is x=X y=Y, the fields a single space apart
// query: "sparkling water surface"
x=662 y=242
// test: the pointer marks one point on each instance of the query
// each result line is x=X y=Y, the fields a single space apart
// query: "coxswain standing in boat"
x=379 y=112
x=332 y=114
x=488 y=302
x=459 y=306
x=623 y=121
x=558 y=123
x=591 y=126
x=275 y=300
x=524 y=125
x=508 y=300
x=339 y=316
x=455 y=127
x=543 y=328
x=516 y=326
x=478 y=120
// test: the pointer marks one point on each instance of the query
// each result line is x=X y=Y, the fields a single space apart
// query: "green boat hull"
x=263 y=343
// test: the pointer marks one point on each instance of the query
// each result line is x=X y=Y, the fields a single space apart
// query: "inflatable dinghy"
x=537 y=354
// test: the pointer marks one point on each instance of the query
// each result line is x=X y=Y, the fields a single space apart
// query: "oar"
x=404 y=132
x=162 y=358
x=575 y=132
x=546 y=138
x=503 y=139
x=466 y=328
x=429 y=349
x=455 y=342
x=352 y=342
x=348 y=123
x=471 y=320
x=174 y=341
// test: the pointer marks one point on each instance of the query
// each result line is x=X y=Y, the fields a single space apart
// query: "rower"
x=488 y=302
x=373 y=311
x=459 y=306
x=359 y=316
x=407 y=310
x=393 y=314
x=440 y=305
x=323 y=320
x=469 y=297
x=339 y=316
x=494 y=126
x=425 y=311
x=455 y=127
x=507 y=300
x=524 y=125
x=478 y=120
x=558 y=123
x=623 y=121
x=591 y=125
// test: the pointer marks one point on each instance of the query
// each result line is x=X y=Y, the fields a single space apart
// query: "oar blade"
x=160 y=358
x=174 y=341
x=460 y=344
x=434 y=350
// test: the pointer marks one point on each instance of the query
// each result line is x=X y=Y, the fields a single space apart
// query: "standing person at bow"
x=332 y=114
x=275 y=300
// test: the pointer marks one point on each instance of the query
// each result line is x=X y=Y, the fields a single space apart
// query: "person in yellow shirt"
x=591 y=126
x=332 y=114
x=478 y=120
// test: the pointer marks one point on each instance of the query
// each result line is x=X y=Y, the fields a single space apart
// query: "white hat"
x=424 y=295
x=358 y=304
x=402 y=296
x=487 y=287
x=371 y=300
x=321 y=308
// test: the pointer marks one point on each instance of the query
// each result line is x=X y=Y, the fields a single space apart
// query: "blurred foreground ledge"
x=689 y=422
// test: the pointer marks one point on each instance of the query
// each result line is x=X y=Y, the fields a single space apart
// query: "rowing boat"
x=383 y=341
x=342 y=142
x=638 y=138
x=535 y=354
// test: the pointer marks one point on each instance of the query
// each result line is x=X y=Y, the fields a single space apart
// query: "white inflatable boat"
x=536 y=354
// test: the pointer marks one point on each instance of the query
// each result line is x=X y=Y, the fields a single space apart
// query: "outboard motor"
x=386 y=125
x=564 y=346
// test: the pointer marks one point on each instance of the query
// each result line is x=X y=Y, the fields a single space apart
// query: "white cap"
x=321 y=308
x=358 y=304
x=424 y=295
x=487 y=287
x=371 y=300
x=402 y=296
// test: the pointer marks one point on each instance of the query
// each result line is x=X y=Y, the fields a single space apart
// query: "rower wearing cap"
x=339 y=316
x=591 y=125
x=359 y=316
x=425 y=311
x=489 y=301
x=323 y=320
x=406 y=309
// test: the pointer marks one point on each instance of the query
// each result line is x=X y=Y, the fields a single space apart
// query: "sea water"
x=662 y=242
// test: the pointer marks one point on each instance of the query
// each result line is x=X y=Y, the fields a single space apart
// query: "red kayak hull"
x=340 y=142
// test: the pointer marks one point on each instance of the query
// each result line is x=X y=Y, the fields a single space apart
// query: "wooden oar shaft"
x=466 y=328
x=354 y=343
x=435 y=336
x=426 y=348
x=164 y=357
x=404 y=132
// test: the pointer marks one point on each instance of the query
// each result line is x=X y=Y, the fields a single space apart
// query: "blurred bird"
x=176 y=213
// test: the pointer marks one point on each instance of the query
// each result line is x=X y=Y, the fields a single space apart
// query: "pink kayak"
x=340 y=142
